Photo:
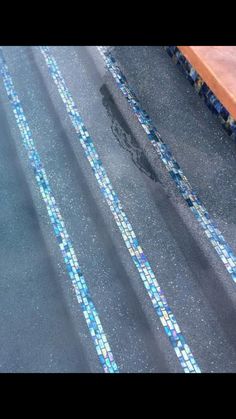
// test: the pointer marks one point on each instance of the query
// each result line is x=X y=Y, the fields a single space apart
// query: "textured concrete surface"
x=42 y=327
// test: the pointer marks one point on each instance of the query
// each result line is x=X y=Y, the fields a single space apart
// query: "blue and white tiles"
x=140 y=260
x=81 y=289
x=216 y=238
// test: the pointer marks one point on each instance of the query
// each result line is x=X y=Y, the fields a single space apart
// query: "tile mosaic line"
x=81 y=289
x=200 y=212
x=140 y=260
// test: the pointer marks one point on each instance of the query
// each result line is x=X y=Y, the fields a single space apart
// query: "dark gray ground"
x=41 y=325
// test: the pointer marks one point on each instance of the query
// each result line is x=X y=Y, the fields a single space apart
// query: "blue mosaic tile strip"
x=155 y=293
x=198 y=209
x=216 y=107
x=81 y=289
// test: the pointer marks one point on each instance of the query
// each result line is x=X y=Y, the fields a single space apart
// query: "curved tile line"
x=216 y=238
x=155 y=293
x=81 y=289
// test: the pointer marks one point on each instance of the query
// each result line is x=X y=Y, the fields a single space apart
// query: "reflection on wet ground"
x=125 y=137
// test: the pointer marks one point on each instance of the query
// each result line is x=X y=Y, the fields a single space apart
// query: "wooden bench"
x=216 y=65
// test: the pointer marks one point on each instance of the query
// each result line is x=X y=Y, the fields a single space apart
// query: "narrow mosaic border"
x=216 y=107
x=81 y=289
x=146 y=273
x=183 y=185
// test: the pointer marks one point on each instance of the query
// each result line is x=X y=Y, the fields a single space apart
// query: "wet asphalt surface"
x=42 y=328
